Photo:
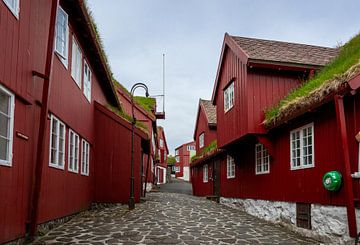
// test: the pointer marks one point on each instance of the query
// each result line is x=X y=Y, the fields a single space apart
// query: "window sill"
x=262 y=173
x=62 y=59
x=73 y=171
x=356 y=175
x=5 y=163
x=230 y=177
x=302 y=167
x=226 y=111
x=85 y=174
x=56 y=166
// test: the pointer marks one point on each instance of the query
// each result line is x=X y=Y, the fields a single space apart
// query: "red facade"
x=62 y=192
x=182 y=156
x=162 y=154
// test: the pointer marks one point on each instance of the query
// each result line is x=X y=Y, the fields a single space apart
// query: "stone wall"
x=329 y=223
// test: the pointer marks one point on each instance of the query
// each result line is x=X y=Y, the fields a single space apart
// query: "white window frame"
x=230 y=167
x=74 y=161
x=176 y=152
x=10 y=136
x=263 y=161
x=177 y=169
x=205 y=173
x=64 y=56
x=15 y=10
x=76 y=62
x=229 y=96
x=85 y=157
x=190 y=148
x=177 y=158
x=201 y=140
x=57 y=164
x=301 y=155
x=87 y=81
x=161 y=143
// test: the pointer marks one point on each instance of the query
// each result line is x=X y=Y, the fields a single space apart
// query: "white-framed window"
x=176 y=152
x=201 y=140
x=205 y=173
x=7 y=106
x=302 y=147
x=73 y=153
x=85 y=157
x=165 y=156
x=262 y=159
x=230 y=167
x=14 y=6
x=177 y=169
x=62 y=36
x=191 y=148
x=87 y=81
x=177 y=158
x=161 y=142
x=57 y=143
x=76 y=62
x=229 y=97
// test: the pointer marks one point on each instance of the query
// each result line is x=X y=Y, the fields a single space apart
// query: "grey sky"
x=136 y=33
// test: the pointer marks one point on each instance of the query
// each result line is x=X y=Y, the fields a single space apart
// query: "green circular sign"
x=332 y=180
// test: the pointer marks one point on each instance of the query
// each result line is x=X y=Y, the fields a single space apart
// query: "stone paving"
x=170 y=218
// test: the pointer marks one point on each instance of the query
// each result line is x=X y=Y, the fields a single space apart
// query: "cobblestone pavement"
x=170 y=218
x=176 y=186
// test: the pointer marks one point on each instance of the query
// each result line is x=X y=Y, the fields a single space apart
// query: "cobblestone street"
x=170 y=218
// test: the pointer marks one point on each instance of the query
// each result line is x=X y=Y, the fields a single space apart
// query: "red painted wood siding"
x=202 y=126
x=199 y=187
x=113 y=158
x=255 y=90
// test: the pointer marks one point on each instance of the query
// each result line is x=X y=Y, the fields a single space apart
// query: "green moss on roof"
x=146 y=102
x=119 y=85
x=128 y=118
x=348 y=57
x=212 y=146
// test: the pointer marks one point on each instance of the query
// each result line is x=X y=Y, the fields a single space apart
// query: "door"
x=216 y=178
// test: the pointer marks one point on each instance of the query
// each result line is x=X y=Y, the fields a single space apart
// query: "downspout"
x=147 y=171
x=40 y=150
x=350 y=207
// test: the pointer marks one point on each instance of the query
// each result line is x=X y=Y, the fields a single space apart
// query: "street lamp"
x=134 y=87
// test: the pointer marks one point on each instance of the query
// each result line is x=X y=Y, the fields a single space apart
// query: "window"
x=229 y=97
x=302 y=147
x=230 y=166
x=7 y=105
x=177 y=158
x=176 y=152
x=262 y=159
x=76 y=63
x=87 y=81
x=191 y=148
x=161 y=143
x=14 y=6
x=57 y=143
x=201 y=140
x=85 y=157
x=73 y=162
x=62 y=36
x=165 y=156
x=205 y=173
x=177 y=169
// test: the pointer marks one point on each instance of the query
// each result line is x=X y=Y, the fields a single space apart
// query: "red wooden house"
x=162 y=154
x=61 y=149
x=274 y=168
x=183 y=156
x=204 y=136
x=148 y=119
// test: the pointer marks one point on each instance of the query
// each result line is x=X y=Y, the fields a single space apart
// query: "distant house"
x=63 y=142
x=183 y=155
x=162 y=155
x=275 y=167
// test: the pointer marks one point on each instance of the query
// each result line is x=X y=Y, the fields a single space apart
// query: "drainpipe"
x=350 y=207
x=40 y=150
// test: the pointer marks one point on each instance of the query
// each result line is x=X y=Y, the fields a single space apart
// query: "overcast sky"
x=136 y=33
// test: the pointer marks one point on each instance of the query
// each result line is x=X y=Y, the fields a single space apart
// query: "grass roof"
x=209 y=148
x=147 y=103
x=328 y=78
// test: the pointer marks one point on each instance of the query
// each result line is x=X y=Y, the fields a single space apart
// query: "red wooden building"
x=61 y=148
x=183 y=156
x=162 y=154
x=274 y=169
x=204 y=135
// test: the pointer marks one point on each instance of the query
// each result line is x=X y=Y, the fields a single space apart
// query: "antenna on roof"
x=164 y=83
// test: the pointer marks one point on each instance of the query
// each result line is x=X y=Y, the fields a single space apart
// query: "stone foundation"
x=328 y=223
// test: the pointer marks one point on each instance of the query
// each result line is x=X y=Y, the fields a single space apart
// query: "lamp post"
x=132 y=178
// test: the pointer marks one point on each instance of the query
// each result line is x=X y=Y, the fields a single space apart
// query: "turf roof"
x=328 y=80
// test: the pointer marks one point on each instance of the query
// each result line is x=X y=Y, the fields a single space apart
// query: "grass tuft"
x=212 y=146
x=349 y=56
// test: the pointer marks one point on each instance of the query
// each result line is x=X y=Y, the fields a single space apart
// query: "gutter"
x=40 y=150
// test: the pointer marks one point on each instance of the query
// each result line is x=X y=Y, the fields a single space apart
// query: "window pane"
x=4 y=103
x=4 y=126
x=4 y=145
